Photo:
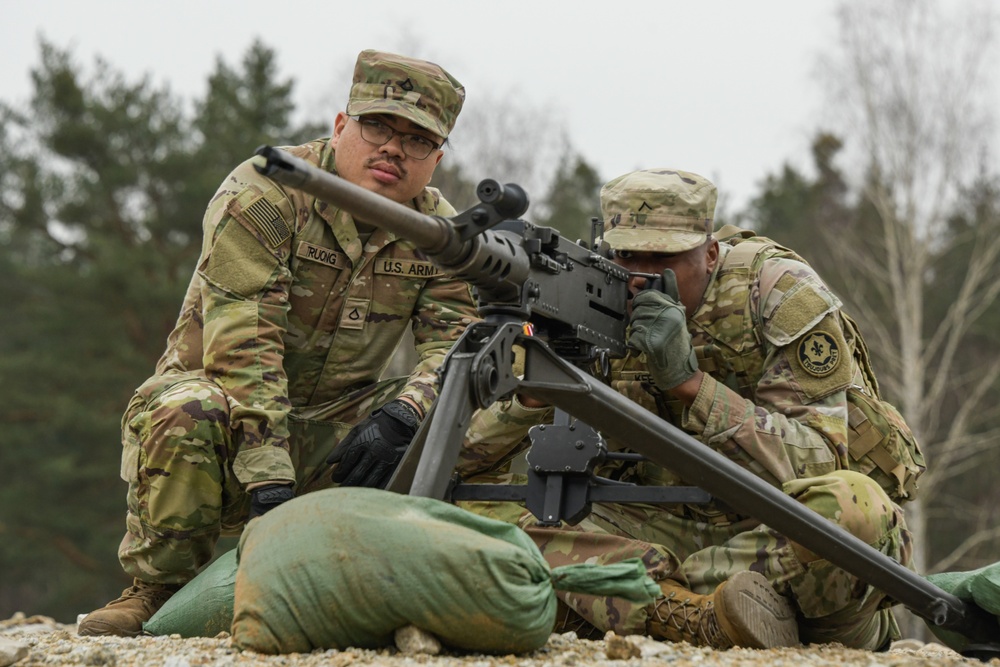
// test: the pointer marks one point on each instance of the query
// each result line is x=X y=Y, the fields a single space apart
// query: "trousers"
x=832 y=604
x=178 y=448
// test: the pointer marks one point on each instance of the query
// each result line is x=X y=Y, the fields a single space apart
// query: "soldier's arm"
x=245 y=287
x=444 y=308
x=497 y=434
x=797 y=424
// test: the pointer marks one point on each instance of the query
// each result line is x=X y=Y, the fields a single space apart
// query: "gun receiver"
x=577 y=300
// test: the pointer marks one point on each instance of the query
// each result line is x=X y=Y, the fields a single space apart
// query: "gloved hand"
x=658 y=328
x=372 y=450
x=265 y=498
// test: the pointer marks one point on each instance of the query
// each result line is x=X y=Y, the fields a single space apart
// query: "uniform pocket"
x=310 y=443
x=132 y=439
x=882 y=446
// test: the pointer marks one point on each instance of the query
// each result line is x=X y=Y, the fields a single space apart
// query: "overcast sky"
x=725 y=88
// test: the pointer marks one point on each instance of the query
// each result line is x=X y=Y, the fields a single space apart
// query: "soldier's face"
x=384 y=169
x=692 y=269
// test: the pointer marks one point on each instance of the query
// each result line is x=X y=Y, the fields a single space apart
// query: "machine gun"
x=575 y=299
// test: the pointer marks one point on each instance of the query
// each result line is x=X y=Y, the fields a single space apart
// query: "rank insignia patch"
x=819 y=354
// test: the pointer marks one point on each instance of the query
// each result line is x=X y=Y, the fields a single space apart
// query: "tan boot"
x=124 y=617
x=744 y=611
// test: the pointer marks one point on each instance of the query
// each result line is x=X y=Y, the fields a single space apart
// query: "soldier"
x=746 y=349
x=272 y=371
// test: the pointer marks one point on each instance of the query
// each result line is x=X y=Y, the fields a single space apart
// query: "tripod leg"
x=552 y=379
x=402 y=479
x=445 y=431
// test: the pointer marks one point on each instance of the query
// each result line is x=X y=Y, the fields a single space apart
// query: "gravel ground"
x=36 y=641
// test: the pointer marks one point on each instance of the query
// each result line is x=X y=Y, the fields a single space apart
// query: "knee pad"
x=850 y=499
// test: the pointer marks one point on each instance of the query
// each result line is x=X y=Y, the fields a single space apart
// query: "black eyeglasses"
x=378 y=133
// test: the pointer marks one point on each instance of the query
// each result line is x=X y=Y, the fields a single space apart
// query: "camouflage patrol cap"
x=417 y=90
x=658 y=210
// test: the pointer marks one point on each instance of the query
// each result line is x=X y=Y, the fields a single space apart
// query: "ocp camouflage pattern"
x=286 y=327
x=307 y=313
x=414 y=89
x=658 y=210
x=761 y=408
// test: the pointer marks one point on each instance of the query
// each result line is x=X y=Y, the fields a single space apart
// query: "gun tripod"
x=479 y=371
x=528 y=272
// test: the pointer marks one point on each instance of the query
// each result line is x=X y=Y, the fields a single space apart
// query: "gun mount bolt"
x=567 y=468
x=579 y=444
x=538 y=468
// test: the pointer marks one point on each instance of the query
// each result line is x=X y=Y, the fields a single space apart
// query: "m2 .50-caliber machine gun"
x=575 y=298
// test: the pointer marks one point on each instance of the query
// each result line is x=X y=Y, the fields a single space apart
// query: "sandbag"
x=346 y=567
x=981 y=587
x=203 y=607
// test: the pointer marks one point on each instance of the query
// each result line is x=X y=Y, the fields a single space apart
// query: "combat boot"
x=124 y=617
x=744 y=611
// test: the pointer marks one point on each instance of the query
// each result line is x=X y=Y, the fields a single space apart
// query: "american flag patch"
x=265 y=216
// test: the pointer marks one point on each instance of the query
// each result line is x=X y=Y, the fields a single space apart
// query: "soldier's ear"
x=711 y=255
x=339 y=123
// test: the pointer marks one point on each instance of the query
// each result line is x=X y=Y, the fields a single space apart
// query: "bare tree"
x=909 y=84
x=505 y=137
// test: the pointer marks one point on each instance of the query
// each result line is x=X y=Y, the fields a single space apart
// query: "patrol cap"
x=417 y=90
x=658 y=210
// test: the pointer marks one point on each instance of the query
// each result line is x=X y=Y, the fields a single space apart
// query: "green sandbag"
x=346 y=567
x=203 y=607
x=981 y=587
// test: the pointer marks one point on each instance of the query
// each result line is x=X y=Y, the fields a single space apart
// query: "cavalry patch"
x=316 y=253
x=819 y=354
x=406 y=267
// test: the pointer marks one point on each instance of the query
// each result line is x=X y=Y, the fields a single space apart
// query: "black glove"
x=372 y=450
x=266 y=498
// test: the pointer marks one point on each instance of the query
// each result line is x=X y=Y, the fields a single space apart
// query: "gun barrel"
x=429 y=234
x=521 y=270
x=486 y=259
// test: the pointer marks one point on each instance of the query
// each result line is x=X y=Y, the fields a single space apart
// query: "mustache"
x=390 y=160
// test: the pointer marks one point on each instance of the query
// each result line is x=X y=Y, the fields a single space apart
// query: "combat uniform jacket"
x=781 y=364
x=778 y=361
x=288 y=308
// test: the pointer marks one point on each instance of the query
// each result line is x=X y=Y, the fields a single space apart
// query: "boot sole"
x=102 y=630
x=754 y=615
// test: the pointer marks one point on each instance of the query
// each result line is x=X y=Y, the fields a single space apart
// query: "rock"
x=906 y=645
x=101 y=656
x=410 y=640
x=11 y=651
x=933 y=648
x=620 y=648
x=35 y=624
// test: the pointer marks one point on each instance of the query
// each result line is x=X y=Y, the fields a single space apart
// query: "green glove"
x=658 y=329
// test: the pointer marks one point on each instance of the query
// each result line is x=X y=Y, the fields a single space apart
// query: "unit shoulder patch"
x=821 y=361
x=819 y=354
